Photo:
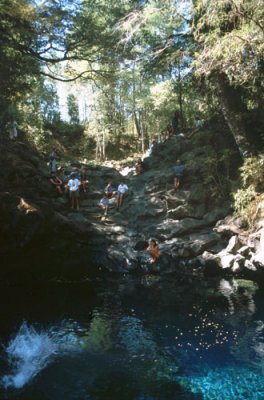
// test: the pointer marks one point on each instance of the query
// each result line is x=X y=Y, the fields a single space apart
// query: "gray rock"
x=216 y=214
x=238 y=264
x=185 y=252
x=230 y=225
x=180 y=212
x=244 y=251
x=202 y=241
x=226 y=260
x=208 y=258
x=197 y=194
x=170 y=228
x=249 y=265
x=234 y=245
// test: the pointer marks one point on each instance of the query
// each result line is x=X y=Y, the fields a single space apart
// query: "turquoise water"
x=133 y=338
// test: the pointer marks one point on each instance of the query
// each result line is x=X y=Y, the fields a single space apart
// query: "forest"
x=126 y=67
x=132 y=199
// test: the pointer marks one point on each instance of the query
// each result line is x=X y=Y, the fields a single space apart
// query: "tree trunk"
x=137 y=124
x=232 y=109
x=103 y=145
x=181 y=119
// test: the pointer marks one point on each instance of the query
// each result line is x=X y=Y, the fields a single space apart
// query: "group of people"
x=69 y=181
x=73 y=181
x=153 y=248
x=110 y=192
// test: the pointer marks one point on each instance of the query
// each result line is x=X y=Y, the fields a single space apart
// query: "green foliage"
x=16 y=68
x=140 y=60
x=73 y=109
x=216 y=172
x=231 y=42
x=38 y=138
x=247 y=198
x=252 y=173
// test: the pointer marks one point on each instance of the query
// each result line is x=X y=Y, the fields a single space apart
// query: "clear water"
x=133 y=338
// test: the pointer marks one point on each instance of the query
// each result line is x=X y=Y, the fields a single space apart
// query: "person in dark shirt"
x=179 y=173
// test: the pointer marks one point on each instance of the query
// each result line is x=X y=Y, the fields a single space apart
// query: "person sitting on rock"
x=104 y=204
x=84 y=180
x=121 y=191
x=179 y=172
x=109 y=190
x=153 y=250
x=139 y=167
x=74 y=185
x=56 y=182
x=65 y=177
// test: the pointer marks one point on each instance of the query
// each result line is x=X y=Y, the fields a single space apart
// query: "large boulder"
x=199 y=242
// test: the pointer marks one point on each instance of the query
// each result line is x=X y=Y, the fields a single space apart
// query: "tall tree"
x=73 y=109
x=16 y=69
x=230 y=34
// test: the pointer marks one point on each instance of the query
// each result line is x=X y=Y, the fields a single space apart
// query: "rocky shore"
x=196 y=234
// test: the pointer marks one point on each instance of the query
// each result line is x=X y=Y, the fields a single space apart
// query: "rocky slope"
x=196 y=235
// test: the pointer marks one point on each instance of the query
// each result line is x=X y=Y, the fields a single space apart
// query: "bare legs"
x=177 y=182
x=120 y=200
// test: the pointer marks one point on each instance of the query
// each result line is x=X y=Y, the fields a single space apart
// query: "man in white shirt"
x=73 y=185
x=121 y=191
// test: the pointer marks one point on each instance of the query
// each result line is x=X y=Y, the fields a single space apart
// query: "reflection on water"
x=149 y=339
x=241 y=292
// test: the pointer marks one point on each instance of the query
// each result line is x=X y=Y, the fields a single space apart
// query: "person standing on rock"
x=179 y=172
x=153 y=250
x=53 y=164
x=121 y=191
x=139 y=167
x=74 y=185
x=84 y=179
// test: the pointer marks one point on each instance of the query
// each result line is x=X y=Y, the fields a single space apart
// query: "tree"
x=49 y=103
x=17 y=70
x=73 y=109
x=230 y=37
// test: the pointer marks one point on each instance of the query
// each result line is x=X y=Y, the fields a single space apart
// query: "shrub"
x=247 y=198
x=216 y=172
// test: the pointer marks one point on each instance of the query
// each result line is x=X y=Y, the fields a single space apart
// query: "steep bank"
x=37 y=225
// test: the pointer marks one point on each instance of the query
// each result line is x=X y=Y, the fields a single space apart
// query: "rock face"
x=244 y=253
x=184 y=222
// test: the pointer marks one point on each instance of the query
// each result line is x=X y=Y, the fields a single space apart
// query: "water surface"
x=133 y=338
